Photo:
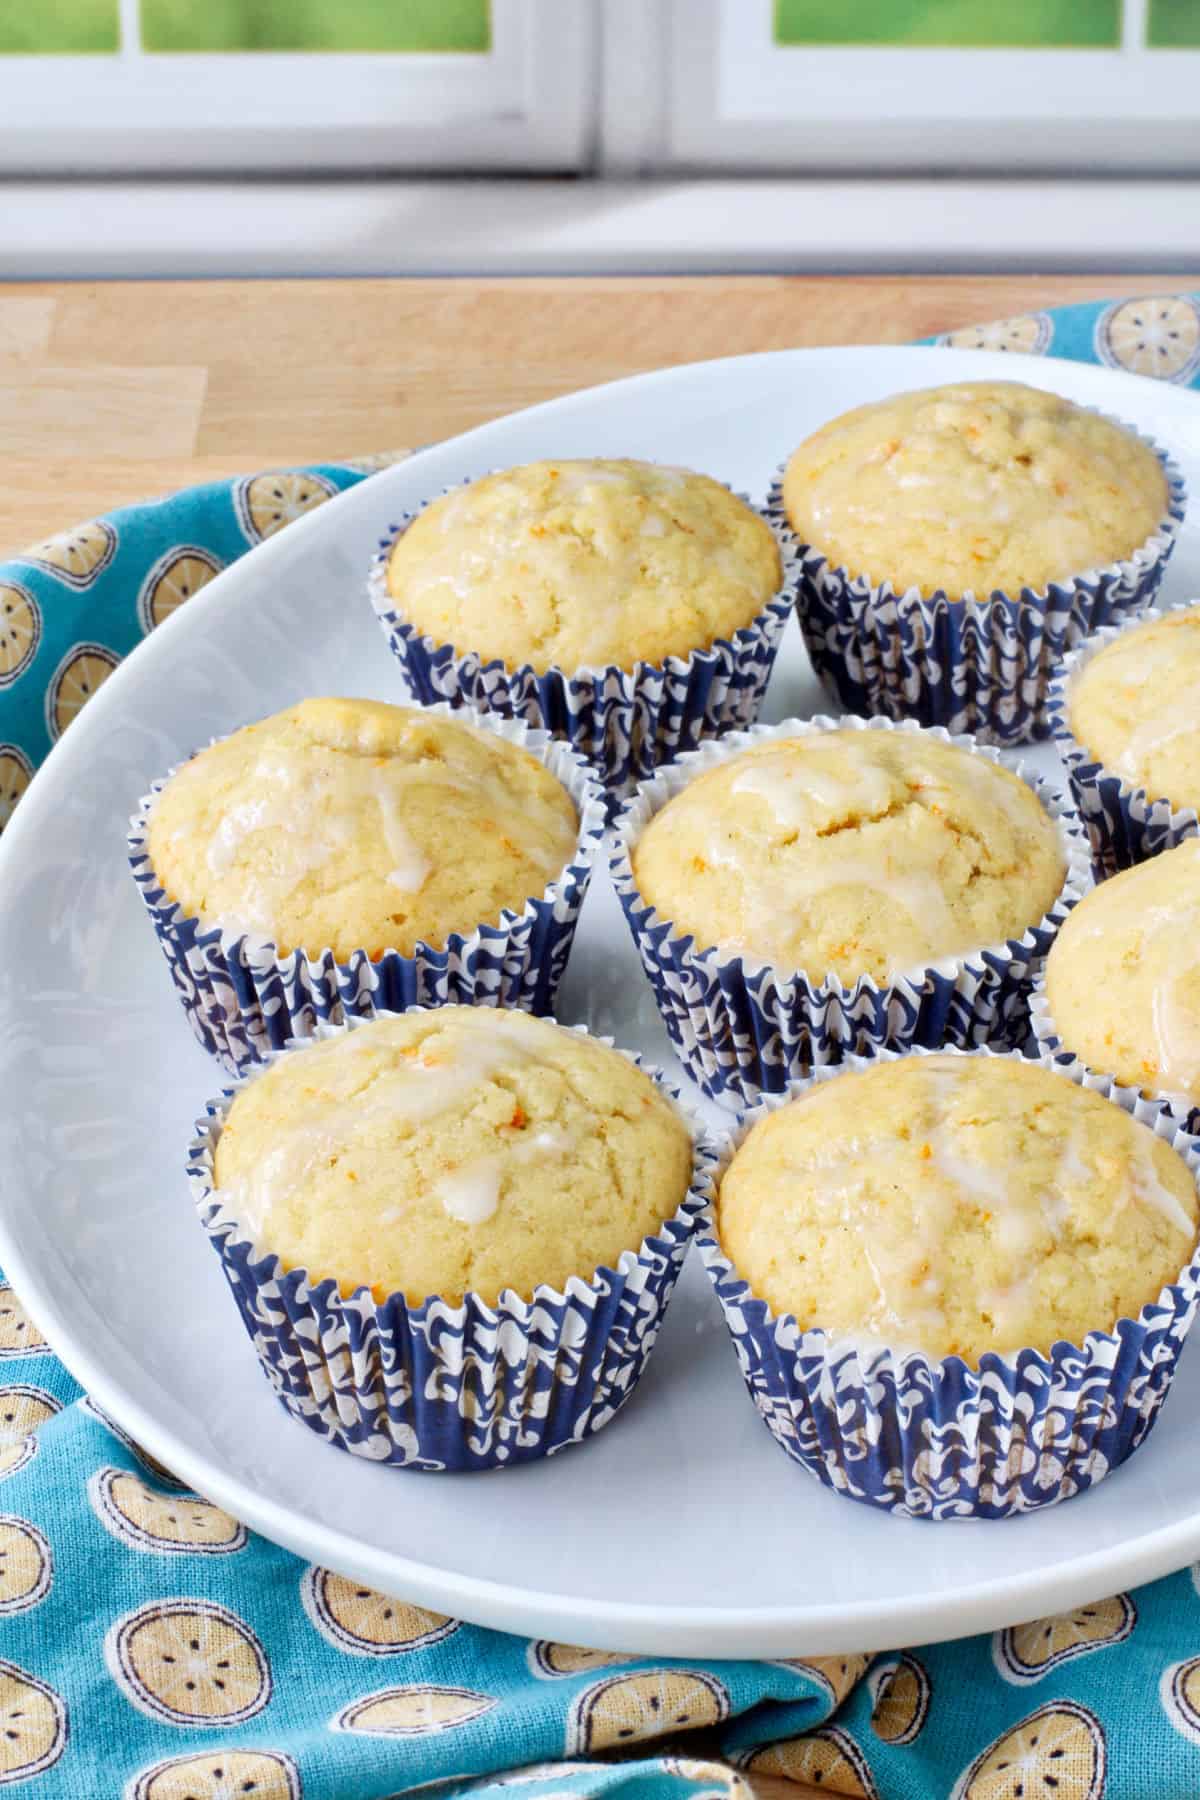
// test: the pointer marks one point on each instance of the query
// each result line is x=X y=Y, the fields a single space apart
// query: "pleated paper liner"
x=627 y=722
x=931 y=1437
x=1054 y=1053
x=978 y=664
x=1125 y=824
x=744 y=1029
x=450 y=1385
x=244 y=1001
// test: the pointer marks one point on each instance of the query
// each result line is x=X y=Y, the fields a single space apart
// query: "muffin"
x=852 y=853
x=1124 y=712
x=486 y=1209
x=1122 y=986
x=957 y=540
x=955 y=1280
x=346 y=851
x=810 y=889
x=626 y=605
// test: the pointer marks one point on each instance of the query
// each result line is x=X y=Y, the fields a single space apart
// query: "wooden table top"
x=115 y=391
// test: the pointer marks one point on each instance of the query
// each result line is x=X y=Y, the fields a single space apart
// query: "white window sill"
x=61 y=229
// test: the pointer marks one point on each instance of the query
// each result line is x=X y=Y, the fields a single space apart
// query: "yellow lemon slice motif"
x=1179 y=1692
x=19 y=1336
x=550 y=1660
x=20 y=631
x=76 y=557
x=412 y=1711
x=172 y=581
x=16 y=773
x=26 y=1565
x=220 y=1775
x=1027 y=333
x=22 y=1410
x=189 y=1662
x=164 y=1523
x=33 y=1725
x=266 y=503
x=356 y=1619
x=901 y=1692
x=81 y=671
x=628 y=1708
x=1025 y=1653
x=837 y=1674
x=827 y=1758
x=1159 y=335
x=150 y=1463
x=1057 y=1753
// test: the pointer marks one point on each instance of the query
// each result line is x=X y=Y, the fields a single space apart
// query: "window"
x=166 y=85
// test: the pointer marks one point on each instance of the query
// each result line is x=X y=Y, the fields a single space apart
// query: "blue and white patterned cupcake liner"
x=930 y=1437
x=627 y=722
x=449 y=1385
x=979 y=665
x=745 y=1029
x=1125 y=825
x=1054 y=1053
x=244 y=1001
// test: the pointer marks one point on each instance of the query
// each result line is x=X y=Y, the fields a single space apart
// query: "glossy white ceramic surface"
x=682 y=1528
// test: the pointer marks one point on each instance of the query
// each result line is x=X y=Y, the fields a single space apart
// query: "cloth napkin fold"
x=152 y=1649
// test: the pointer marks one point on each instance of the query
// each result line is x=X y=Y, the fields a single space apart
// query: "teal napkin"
x=152 y=1649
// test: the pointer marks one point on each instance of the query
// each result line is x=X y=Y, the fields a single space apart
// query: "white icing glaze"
x=471 y=1194
x=1154 y=734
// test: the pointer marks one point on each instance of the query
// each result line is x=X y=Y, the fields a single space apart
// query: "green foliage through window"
x=970 y=24
x=410 y=25
x=1174 y=25
x=59 y=27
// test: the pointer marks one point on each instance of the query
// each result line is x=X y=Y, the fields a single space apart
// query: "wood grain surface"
x=112 y=392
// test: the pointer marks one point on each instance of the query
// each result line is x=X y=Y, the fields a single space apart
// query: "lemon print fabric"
x=33 y=1725
x=191 y=1662
x=1179 y=1692
x=1157 y=336
x=156 y=1470
x=1026 y=1653
x=413 y=1711
x=900 y=1694
x=356 y=1619
x=551 y=1661
x=1028 y=334
x=19 y=1336
x=16 y=773
x=20 y=631
x=23 y=1409
x=78 y=557
x=626 y=1709
x=220 y=1775
x=84 y=669
x=836 y=1674
x=172 y=581
x=1057 y=1753
x=828 y=1759
x=266 y=503
x=26 y=1565
x=166 y=1524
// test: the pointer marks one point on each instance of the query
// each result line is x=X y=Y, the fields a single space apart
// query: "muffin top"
x=979 y=486
x=1123 y=975
x=852 y=852
x=1135 y=707
x=584 y=564
x=463 y=1149
x=351 y=825
x=956 y=1204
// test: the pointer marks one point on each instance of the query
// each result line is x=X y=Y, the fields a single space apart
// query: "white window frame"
x=730 y=99
x=525 y=104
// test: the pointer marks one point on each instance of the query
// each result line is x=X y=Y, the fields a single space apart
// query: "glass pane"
x=1076 y=24
x=1174 y=25
x=314 y=24
x=70 y=26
